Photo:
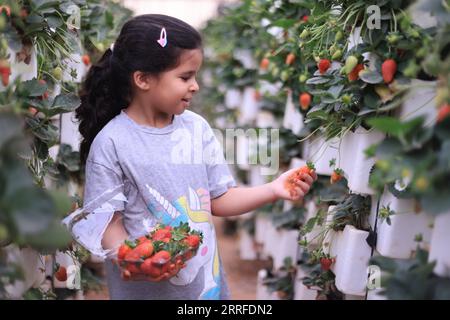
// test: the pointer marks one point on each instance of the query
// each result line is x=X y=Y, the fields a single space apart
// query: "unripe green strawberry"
x=337 y=55
x=346 y=99
x=338 y=36
x=302 y=78
x=350 y=63
x=304 y=34
x=57 y=73
x=284 y=75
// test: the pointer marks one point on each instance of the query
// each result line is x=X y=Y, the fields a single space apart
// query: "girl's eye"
x=184 y=78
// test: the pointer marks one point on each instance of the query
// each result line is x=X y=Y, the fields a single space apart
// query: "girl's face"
x=172 y=92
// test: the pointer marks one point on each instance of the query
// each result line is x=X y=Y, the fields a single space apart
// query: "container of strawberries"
x=160 y=254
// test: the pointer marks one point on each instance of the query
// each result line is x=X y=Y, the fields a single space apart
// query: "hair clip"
x=162 y=38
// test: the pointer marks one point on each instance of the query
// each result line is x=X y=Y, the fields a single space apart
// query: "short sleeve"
x=220 y=178
x=103 y=195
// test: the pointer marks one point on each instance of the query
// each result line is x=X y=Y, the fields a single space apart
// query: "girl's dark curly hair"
x=107 y=87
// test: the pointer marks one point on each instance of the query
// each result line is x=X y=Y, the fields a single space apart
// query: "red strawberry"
x=323 y=65
x=305 y=18
x=336 y=176
x=5 y=71
x=145 y=249
x=192 y=241
x=354 y=74
x=147 y=267
x=142 y=239
x=61 y=274
x=123 y=250
x=388 y=70
x=132 y=256
x=264 y=64
x=161 y=258
x=290 y=58
x=86 y=59
x=162 y=235
x=326 y=263
x=305 y=100
x=443 y=112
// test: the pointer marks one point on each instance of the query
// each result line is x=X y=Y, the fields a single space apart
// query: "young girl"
x=141 y=146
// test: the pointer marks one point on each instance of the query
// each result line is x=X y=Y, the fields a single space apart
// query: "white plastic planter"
x=354 y=162
x=420 y=101
x=332 y=239
x=301 y=292
x=293 y=119
x=286 y=245
x=245 y=57
x=266 y=119
x=233 y=98
x=249 y=107
x=397 y=239
x=74 y=63
x=270 y=246
x=69 y=131
x=262 y=291
x=33 y=267
x=261 y=224
x=246 y=246
x=316 y=233
x=351 y=262
x=440 y=241
x=320 y=152
x=73 y=271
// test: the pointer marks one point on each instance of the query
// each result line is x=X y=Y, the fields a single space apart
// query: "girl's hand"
x=302 y=185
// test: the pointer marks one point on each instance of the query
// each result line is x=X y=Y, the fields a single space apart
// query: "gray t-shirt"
x=167 y=175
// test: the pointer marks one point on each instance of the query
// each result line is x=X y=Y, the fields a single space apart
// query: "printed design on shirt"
x=194 y=209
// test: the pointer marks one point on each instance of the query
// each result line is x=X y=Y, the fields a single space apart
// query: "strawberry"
x=354 y=74
x=257 y=95
x=325 y=263
x=147 y=267
x=264 y=64
x=132 y=256
x=305 y=100
x=123 y=250
x=61 y=274
x=132 y=268
x=323 y=65
x=192 y=241
x=162 y=235
x=336 y=176
x=443 y=112
x=388 y=70
x=86 y=59
x=350 y=64
x=160 y=258
x=290 y=58
x=145 y=249
x=290 y=183
x=5 y=72
x=142 y=239
x=305 y=18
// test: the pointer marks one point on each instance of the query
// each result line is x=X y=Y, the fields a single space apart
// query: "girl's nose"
x=194 y=87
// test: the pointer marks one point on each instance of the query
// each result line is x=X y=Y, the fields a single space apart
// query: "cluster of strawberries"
x=159 y=255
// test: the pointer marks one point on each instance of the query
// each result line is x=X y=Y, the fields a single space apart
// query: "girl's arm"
x=115 y=233
x=238 y=201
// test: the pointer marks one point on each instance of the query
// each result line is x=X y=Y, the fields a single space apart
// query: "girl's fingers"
x=304 y=186
x=297 y=193
x=307 y=178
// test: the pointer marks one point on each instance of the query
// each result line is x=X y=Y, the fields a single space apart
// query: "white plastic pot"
x=351 y=261
x=69 y=131
x=266 y=119
x=316 y=233
x=320 y=152
x=21 y=69
x=249 y=107
x=246 y=246
x=440 y=241
x=33 y=267
x=354 y=162
x=74 y=62
x=245 y=57
x=293 y=119
x=233 y=98
x=73 y=268
x=286 y=245
x=397 y=239
x=420 y=101
x=301 y=292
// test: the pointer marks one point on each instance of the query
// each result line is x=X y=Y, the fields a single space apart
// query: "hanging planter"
x=420 y=101
x=321 y=152
x=302 y=292
x=23 y=63
x=233 y=98
x=266 y=119
x=440 y=240
x=72 y=267
x=246 y=246
x=293 y=119
x=351 y=261
x=353 y=159
x=249 y=107
x=400 y=225
x=285 y=245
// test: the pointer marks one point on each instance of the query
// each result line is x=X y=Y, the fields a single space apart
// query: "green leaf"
x=63 y=103
x=394 y=126
x=317 y=80
x=319 y=114
x=284 y=23
x=32 y=88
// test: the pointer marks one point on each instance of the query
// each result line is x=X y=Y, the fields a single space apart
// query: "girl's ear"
x=142 y=80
